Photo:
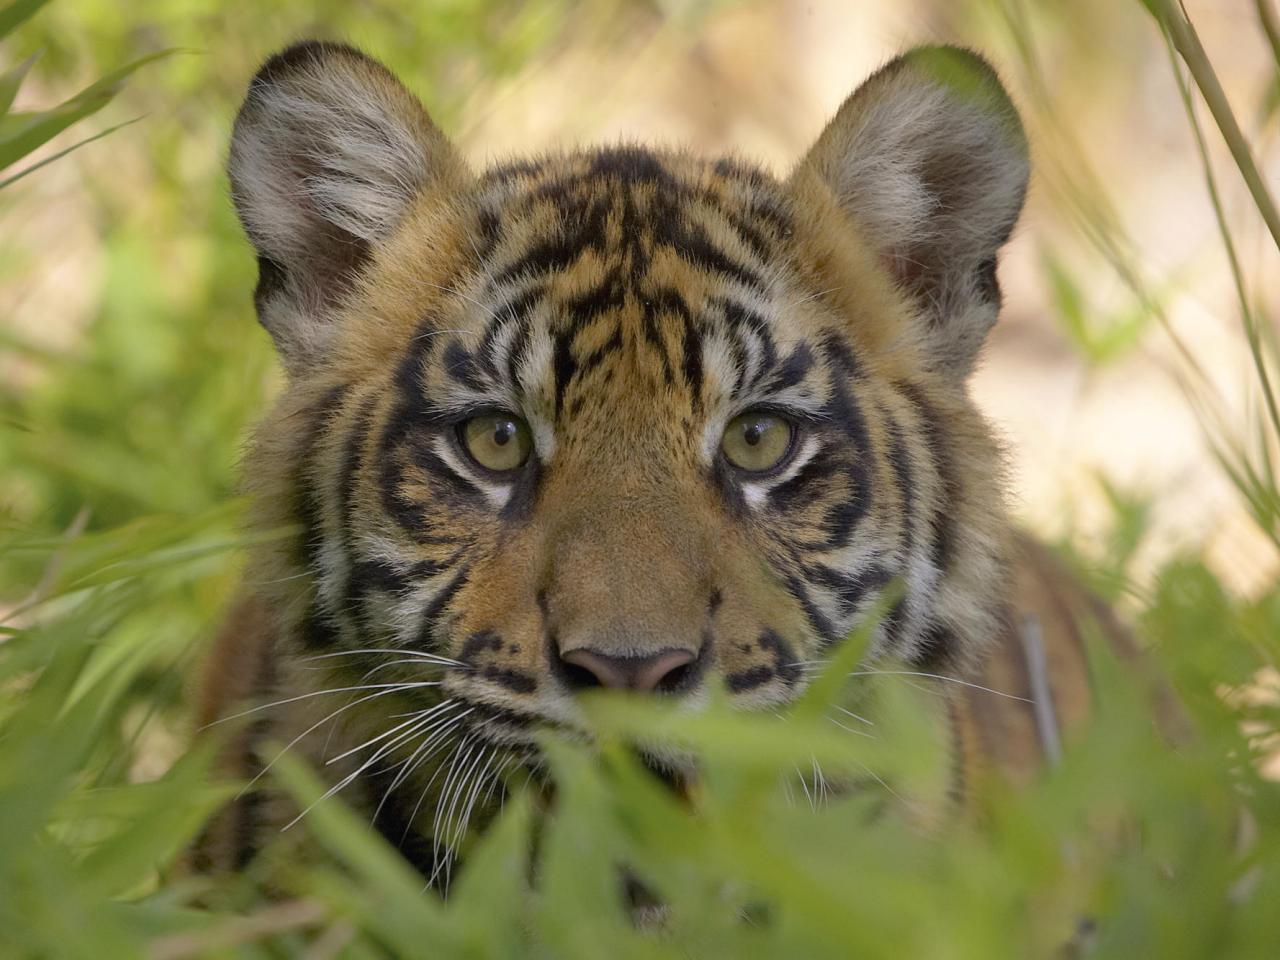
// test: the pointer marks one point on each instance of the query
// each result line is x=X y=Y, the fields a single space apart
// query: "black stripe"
x=751 y=236
x=748 y=679
x=512 y=170
x=461 y=365
x=431 y=615
x=447 y=486
x=518 y=310
x=821 y=625
x=668 y=301
x=942 y=529
x=900 y=460
x=784 y=658
x=516 y=681
x=600 y=353
x=843 y=410
x=937 y=649
x=797 y=490
x=693 y=361
x=633 y=165
x=479 y=642
x=394 y=820
x=309 y=505
x=318 y=631
x=850 y=588
x=609 y=294
x=564 y=367
x=692 y=243
x=793 y=369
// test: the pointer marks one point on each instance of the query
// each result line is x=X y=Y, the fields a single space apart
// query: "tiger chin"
x=619 y=417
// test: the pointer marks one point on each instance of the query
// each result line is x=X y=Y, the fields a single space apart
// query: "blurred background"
x=1130 y=375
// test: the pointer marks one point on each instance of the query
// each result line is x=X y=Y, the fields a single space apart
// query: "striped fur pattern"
x=626 y=304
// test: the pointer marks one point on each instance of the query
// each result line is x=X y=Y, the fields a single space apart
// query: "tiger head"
x=625 y=417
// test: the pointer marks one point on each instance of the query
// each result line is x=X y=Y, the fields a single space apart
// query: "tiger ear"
x=929 y=159
x=328 y=153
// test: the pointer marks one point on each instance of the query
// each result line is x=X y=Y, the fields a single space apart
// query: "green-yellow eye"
x=497 y=441
x=757 y=441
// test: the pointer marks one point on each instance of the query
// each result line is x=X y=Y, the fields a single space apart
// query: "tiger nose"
x=659 y=672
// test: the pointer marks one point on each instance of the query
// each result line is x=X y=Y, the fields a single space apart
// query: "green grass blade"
x=8 y=181
x=22 y=133
x=17 y=13
x=11 y=81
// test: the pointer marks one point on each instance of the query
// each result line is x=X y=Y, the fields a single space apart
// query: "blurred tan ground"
x=761 y=78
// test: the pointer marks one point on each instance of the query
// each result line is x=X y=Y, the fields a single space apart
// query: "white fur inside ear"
x=924 y=166
x=319 y=149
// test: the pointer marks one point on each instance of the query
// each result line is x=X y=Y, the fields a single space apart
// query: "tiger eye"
x=497 y=441
x=756 y=441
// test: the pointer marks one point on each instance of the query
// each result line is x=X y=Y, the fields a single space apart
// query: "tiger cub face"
x=622 y=417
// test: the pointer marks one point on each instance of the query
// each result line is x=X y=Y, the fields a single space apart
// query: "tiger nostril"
x=663 y=672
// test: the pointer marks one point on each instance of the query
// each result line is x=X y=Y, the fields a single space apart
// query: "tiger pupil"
x=752 y=433
x=502 y=432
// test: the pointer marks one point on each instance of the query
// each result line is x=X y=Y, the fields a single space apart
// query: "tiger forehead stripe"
x=602 y=228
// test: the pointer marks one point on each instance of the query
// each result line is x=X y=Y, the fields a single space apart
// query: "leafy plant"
x=23 y=133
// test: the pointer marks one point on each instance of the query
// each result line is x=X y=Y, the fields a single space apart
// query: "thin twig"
x=274 y=920
x=1186 y=41
x=1270 y=26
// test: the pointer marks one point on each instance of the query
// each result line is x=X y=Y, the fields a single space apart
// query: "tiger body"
x=517 y=454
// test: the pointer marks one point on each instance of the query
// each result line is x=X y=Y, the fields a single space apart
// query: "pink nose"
x=646 y=674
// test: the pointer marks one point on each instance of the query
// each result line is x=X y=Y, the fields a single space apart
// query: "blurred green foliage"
x=119 y=539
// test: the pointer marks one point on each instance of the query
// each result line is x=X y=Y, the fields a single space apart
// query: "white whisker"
x=436 y=733
x=858 y=717
x=853 y=730
x=811 y=664
x=416 y=715
x=402 y=652
x=292 y=743
x=321 y=693
x=378 y=755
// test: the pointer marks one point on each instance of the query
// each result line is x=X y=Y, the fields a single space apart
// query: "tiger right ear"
x=328 y=153
x=929 y=160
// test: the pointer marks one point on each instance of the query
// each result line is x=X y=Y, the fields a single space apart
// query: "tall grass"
x=120 y=545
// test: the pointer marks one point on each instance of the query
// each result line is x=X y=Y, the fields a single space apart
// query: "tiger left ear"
x=328 y=154
x=929 y=159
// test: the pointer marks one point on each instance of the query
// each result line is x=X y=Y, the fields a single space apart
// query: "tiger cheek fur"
x=613 y=313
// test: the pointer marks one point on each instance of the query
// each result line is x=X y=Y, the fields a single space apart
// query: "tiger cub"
x=620 y=417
